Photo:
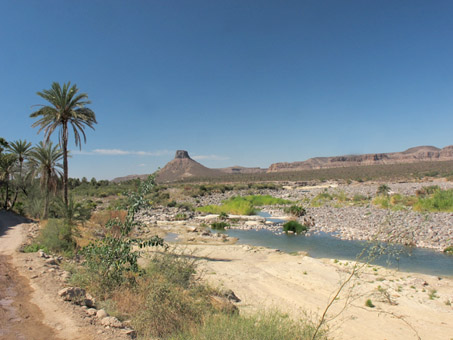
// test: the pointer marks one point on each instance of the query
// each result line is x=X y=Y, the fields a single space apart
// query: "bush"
x=264 y=326
x=295 y=227
x=219 y=225
x=369 y=303
x=56 y=236
x=166 y=298
x=449 y=250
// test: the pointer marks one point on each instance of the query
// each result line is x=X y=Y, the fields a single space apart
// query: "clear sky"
x=233 y=82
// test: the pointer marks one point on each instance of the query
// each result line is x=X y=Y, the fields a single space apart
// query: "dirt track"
x=19 y=317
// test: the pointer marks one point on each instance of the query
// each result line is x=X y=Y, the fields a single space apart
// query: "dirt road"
x=19 y=317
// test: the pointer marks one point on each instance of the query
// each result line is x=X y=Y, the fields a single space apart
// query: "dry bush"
x=102 y=217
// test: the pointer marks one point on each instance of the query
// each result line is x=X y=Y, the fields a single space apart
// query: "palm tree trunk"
x=65 y=163
x=46 y=198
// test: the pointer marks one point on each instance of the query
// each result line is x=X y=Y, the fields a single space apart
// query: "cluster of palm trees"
x=21 y=164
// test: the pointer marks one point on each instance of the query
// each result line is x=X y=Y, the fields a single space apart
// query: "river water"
x=419 y=260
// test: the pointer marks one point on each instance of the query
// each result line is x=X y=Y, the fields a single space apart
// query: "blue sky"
x=233 y=82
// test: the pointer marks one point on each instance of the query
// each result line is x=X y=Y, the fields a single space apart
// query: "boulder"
x=101 y=313
x=222 y=304
x=111 y=321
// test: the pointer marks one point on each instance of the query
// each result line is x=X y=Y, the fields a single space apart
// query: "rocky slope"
x=412 y=155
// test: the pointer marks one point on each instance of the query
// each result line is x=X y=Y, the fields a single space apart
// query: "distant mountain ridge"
x=182 y=166
x=412 y=155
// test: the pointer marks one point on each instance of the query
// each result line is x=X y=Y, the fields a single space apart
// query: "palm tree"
x=7 y=164
x=45 y=160
x=21 y=149
x=67 y=110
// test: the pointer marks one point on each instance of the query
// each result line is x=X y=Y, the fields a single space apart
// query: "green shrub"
x=294 y=226
x=57 y=236
x=263 y=326
x=449 y=250
x=369 y=303
x=219 y=225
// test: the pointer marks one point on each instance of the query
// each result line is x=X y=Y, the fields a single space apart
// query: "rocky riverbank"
x=349 y=222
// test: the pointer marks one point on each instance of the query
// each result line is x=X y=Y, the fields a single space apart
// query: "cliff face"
x=412 y=155
x=182 y=166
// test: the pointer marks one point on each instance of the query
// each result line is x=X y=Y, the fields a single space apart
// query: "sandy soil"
x=29 y=305
x=299 y=284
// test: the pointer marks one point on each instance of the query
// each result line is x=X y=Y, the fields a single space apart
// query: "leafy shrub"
x=219 y=225
x=295 y=227
x=263 y=326
x=112 y=261
x=295 y=210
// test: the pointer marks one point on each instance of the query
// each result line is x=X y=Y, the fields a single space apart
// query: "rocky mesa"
x=412 y=155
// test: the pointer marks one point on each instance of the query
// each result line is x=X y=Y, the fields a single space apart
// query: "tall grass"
x=57 y=237
x=262 y=326
x=441 y=200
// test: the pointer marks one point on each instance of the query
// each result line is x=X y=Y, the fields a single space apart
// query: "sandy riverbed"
x=299 y=284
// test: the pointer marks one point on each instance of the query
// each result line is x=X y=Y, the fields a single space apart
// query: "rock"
x=221 y=303
x=75 y=294
x=229 y=294
x=130 y=332
x=42 y=254
x=101 y=313
x=91 y=311
x=111 y=321
x=52 y=262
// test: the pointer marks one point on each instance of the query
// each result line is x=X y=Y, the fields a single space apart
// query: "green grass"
x=441 y=200
x=242 y=205
x=262 y=326
x=56 y=236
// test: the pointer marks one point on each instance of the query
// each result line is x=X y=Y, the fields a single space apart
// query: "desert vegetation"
x=243 y=205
